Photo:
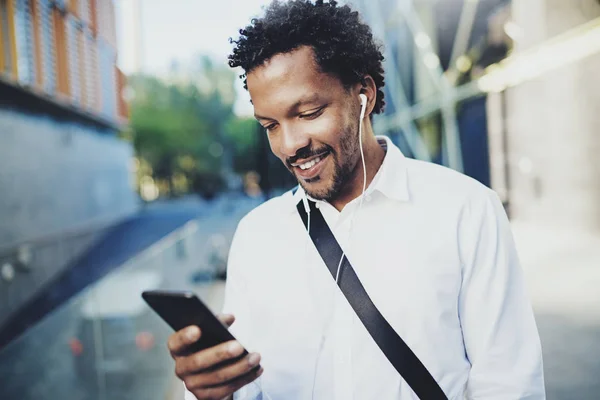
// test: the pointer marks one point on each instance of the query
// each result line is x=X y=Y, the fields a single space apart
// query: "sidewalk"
x=562 y=269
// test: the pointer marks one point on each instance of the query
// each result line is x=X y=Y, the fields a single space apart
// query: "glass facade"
x=431 y=113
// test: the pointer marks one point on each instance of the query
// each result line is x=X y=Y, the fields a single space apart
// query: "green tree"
x=241 y=133
x=185 y=129
x=169 y=129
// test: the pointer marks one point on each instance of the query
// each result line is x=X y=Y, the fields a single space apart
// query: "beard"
x=344 y=164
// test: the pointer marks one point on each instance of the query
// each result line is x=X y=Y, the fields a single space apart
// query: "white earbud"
x=363 y=103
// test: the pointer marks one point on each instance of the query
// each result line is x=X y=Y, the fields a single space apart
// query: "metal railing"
x=105 y=343
x=86 y=228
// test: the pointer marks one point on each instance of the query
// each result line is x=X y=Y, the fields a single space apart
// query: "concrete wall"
x=55 y=176
x=60 y=183
x=551 y=126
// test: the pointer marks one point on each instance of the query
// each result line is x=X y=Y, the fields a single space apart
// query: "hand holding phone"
x=208 y=359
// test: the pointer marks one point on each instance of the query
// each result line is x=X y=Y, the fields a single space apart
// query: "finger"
x=181 y=340
x=207 y=358
x=227 y=373
x=223 y=391
x=227 y=319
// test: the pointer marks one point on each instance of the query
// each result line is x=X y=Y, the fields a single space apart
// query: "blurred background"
x=128 y=154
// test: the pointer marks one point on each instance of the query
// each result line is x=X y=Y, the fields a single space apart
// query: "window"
x=37 y=45
x=83 y=71
x=24 y=42
x=73 y=58
x=47 y=45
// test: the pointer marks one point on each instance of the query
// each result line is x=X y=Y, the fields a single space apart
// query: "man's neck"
x=374 y=156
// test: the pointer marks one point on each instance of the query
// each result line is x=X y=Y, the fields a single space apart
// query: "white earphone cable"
x=362 y=156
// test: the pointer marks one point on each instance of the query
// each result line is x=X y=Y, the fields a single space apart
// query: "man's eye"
x=313 y=114
x=270 y=127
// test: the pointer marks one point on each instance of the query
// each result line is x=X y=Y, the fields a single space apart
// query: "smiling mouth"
x=310 y=168
x=311 y=161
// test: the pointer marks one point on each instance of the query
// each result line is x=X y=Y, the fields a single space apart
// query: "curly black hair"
x=342 y=43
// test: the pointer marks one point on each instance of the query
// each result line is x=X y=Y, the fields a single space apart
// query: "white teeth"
x=310 y=164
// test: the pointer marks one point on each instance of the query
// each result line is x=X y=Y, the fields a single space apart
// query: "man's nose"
x=293 y=140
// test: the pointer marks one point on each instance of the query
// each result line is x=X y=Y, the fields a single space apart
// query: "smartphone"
x=182 y=309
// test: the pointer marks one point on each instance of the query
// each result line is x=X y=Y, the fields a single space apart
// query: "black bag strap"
x=395 y=349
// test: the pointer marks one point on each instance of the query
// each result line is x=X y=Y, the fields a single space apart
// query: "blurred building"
x=544 y=107
x=431 y=49
x=475 y=85
x=65 y=176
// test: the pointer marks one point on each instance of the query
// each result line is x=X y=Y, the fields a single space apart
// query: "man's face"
x=311 y=121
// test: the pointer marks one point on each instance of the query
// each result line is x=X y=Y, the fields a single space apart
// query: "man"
x=432 y=248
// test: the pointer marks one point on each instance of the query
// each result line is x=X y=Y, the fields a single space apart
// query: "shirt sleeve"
x=237 y=293
x=499 y=331
x=237 y=302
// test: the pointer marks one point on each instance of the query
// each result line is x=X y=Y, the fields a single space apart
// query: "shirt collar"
x=391 y=179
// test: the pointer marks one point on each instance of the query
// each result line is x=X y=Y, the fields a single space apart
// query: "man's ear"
x=368 y=88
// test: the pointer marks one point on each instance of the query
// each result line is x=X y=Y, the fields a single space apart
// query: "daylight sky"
x=177 y=30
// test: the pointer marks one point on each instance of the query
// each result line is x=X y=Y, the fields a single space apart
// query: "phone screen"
x=182 y=309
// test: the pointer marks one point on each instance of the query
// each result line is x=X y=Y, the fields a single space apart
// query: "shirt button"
x=318 y=205
x=368 y=198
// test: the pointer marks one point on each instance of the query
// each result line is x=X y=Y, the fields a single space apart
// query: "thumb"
x=226 y=319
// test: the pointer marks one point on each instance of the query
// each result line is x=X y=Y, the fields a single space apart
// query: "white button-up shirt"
x=434 y=251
